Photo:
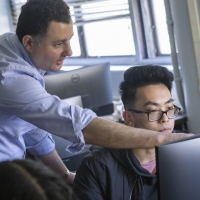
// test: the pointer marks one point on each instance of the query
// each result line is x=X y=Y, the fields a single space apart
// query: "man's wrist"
x=67 y=174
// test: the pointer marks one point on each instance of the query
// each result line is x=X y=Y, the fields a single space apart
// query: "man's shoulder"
x=7 y=34
x=98 y=154
x=8 y=39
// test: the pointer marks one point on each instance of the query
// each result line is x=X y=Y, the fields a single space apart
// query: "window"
x=104 y=27
x=161 y=27
x=111 y=37
x=75 y=40
x=106 y=39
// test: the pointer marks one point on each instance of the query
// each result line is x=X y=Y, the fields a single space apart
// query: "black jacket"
x=113 y=174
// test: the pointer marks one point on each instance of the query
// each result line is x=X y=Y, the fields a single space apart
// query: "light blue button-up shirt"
x=28 y=114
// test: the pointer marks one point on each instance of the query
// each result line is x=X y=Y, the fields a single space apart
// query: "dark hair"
x=139 y=76
x=31 y=180
x=36 y=16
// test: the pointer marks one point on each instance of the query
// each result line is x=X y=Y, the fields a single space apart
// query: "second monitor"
x=178 y=172
x=92 y=83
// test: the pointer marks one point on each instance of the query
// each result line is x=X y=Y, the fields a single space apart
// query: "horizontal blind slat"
x=84 y=11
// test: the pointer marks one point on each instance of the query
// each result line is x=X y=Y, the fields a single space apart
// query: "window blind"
x=15 y=7
x=84 y=11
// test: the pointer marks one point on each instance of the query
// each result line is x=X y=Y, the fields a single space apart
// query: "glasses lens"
x=172 y=113
x=155 y=115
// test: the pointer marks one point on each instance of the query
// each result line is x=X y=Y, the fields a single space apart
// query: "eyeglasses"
x=156 y=115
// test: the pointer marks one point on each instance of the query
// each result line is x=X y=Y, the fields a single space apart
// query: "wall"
x=187 y=61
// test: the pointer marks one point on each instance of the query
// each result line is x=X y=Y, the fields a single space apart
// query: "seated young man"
x=117 y=174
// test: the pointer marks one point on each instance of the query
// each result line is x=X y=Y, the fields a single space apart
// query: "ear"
x=128 y=118
x=28 y=43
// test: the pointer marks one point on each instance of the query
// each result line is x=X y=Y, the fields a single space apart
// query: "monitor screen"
x=92 y=83
x=178 y=169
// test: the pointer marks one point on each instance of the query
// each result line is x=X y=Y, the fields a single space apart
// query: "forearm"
x=55 y=163
x=115 y=135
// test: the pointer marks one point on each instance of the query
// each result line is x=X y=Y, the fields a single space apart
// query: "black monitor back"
x=178 y=169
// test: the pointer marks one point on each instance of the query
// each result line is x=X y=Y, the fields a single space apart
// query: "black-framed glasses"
x=156 y=115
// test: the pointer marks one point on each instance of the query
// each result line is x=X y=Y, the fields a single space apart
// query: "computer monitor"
x=178 y=169
x=92 y=83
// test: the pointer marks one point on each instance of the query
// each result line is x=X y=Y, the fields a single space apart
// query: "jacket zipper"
x=133 y=187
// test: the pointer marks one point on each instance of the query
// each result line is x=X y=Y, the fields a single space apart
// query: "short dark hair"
x=28 y=179
x=144 y=75
x=36 y=16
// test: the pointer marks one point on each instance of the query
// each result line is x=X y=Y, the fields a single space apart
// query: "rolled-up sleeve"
x=30 y=101
x=39 y=142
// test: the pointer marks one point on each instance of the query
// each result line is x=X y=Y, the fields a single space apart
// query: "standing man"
x=29 y=115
